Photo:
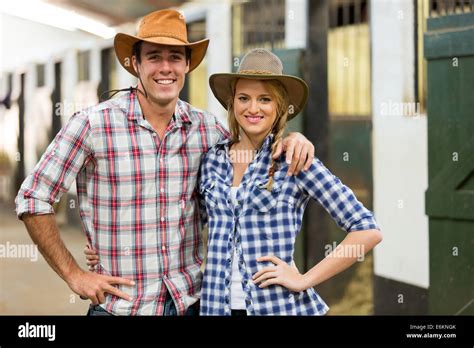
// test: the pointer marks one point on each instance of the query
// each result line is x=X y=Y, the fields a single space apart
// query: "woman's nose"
x=254 y=108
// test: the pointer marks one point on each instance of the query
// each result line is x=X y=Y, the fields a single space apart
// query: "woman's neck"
x=250 y=142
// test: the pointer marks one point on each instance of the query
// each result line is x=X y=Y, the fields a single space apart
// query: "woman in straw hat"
x=255 y=210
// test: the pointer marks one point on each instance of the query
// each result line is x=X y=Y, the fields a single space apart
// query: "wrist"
x=72 y=274
x=306 y=281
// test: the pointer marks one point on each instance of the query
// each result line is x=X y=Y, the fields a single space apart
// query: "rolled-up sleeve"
x=57 y=169
x=336 y=198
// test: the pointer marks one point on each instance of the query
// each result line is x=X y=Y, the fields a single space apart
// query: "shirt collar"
x=266 y=145
x=134 y=112
x=181 y=113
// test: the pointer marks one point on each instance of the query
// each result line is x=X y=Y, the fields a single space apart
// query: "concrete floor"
x=32 y=287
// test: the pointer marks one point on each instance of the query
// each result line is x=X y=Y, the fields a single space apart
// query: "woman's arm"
x=352 y=248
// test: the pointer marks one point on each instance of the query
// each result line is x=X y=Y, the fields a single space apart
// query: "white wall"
x=24 y=41
x=400 y=153
x=296 y=23
x=218 y=16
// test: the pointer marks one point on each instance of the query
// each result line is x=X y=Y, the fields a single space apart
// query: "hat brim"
x=123 y=44
x=297 y=89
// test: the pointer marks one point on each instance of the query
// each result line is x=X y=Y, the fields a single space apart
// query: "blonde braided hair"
x=278 y=91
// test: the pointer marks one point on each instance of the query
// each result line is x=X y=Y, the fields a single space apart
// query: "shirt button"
x=162 y=218
x=154 y=135
x=163 y=248
x=161 y=160
x=162 y=190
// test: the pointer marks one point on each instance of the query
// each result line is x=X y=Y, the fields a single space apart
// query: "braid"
x=278 y=128
x=278 y=136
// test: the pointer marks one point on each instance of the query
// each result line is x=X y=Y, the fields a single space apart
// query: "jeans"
x=169 y=310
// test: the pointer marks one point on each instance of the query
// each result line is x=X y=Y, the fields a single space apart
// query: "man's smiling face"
x=162 y=71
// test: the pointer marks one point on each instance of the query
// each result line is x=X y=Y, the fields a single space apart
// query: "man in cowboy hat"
x=135 y=160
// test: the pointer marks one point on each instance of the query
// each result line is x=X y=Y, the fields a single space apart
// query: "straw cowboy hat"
x=166 y=27
x=260 y=64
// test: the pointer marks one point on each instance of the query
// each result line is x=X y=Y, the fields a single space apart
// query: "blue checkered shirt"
x=265 y=223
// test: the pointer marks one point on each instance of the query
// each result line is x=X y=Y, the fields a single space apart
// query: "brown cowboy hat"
x=261 y=64
x=165 y=27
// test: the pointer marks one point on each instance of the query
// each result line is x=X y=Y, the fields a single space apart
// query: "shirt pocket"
x=213 y=192
x=266 y=201
x=274 y=208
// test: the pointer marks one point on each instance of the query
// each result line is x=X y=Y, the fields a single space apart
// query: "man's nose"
x=165 y=66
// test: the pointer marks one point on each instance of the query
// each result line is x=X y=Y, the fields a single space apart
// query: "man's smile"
x=165 y=81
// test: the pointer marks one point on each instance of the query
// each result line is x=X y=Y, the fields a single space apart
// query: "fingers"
x=289 y=151
x=100 y=297
x=278 y=150
x=302 y=158
x=116 y=292
x=268 y=282
x=310 y=158
x=90 y=253
x=270 y=258
x=266 y=275
x=267 y=272
x=263 y=271
x=295 y=158
x=119 y=280
x=94 y=299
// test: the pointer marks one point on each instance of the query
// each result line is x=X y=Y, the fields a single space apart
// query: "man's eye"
x=176 y=57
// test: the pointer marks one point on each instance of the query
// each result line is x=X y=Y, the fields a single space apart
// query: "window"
x=349 y=59
x=258 y=24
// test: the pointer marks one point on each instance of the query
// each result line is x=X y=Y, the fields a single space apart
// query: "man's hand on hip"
x=94 y=286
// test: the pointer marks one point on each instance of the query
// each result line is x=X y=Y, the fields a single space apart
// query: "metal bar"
x=274 y=11
x=357 y=22
x=345 y=21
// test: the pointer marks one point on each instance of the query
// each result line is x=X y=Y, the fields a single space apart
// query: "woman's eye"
x=266 y=100
x=243 y=99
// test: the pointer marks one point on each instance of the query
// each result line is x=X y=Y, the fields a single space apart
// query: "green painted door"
x=449 y=50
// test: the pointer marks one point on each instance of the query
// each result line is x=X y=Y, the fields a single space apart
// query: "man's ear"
x=188 y=64
x=135 y=64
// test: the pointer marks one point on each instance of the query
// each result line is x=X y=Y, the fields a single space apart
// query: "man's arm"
x=64 y=158
x=44 y=233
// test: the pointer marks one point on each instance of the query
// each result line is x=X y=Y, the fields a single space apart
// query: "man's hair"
x=137 y=49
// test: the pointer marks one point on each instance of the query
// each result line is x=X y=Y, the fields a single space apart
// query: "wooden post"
x=317 y=118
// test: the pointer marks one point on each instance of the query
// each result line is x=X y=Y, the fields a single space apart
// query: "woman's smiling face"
x=255 y=108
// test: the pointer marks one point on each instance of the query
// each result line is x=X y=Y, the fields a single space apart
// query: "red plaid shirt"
x=137 y=196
